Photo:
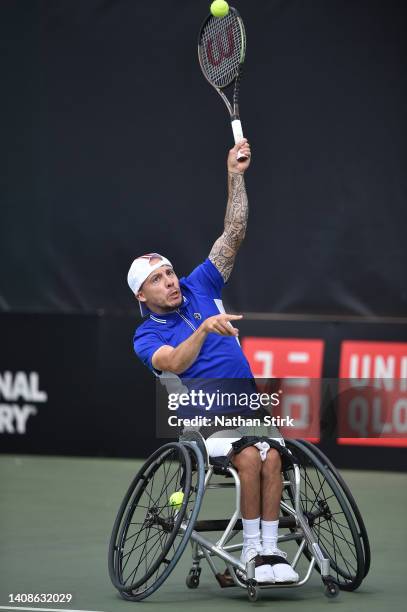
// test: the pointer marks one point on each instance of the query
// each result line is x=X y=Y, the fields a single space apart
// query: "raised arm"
x=225 y=248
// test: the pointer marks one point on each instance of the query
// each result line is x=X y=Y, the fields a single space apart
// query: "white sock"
x=251 y=532
x=269 y=534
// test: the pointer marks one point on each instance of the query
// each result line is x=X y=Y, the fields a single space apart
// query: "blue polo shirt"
x=220 y=356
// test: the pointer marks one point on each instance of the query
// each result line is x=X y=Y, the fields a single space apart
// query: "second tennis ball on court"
x=219 y=8
x=176 y=499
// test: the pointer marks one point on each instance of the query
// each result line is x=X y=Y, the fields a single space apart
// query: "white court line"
x=44 y=609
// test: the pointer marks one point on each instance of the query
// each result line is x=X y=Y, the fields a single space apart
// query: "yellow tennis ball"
x=176 y=499
x=219 y=8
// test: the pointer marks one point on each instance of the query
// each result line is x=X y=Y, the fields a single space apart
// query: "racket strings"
x=221 y=49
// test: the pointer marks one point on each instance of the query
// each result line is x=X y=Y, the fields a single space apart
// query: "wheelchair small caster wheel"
x=252 y=590
x=331 y=589
x=192 y=580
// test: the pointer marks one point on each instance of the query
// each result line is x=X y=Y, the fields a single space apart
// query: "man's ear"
x=140 y=297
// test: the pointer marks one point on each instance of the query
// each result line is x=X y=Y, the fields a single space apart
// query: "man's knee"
x=272 y=463
x=248 y=460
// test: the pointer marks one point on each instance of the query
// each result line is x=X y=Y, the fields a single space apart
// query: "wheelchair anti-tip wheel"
x=324 y=504
x=151 y=532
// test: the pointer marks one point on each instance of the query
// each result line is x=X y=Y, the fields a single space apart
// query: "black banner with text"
x=71 y=385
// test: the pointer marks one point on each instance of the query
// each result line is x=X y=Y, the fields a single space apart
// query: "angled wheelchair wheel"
x=149 y=534
x=329 y=517
x=351 y=500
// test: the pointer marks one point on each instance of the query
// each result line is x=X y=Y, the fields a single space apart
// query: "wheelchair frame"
x=183 y=523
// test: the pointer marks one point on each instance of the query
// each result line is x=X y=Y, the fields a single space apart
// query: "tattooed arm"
x=223 y=252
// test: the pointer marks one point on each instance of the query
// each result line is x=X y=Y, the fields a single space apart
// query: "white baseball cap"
x=140 y=269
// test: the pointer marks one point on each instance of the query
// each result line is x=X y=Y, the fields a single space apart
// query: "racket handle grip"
x=238 y=135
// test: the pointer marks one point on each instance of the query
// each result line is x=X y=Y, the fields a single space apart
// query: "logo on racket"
x=222 y=52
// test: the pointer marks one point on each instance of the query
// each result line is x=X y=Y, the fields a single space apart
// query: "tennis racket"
x=221 y=53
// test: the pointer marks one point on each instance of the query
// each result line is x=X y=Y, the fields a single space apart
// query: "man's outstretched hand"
x=239 y=166
x=219 y=324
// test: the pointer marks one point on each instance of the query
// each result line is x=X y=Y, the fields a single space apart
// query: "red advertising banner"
x=298 y=363
x=373 y=394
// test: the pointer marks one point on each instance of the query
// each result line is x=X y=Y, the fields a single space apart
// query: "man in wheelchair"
x=187 y=333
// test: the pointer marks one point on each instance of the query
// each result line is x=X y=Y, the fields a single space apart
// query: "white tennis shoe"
x=262 y=572
x=281 y=570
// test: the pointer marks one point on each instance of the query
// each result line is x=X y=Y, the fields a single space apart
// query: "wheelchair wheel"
x=329 y=517
x=351 y=500
x=147 y=539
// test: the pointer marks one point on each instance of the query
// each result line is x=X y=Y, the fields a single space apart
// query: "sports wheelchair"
x=318 y=514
